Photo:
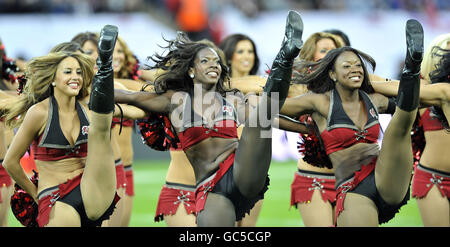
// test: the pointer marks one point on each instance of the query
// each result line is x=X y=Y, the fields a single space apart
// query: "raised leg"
x=394 y=165
x=254 y=153
x=98 y=184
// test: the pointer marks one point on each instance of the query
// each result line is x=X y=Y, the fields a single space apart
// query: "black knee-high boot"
x=409 y=88
x=102 y=93
x=281 y=71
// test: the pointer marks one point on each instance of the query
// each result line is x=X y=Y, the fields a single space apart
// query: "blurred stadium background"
x=29 y=28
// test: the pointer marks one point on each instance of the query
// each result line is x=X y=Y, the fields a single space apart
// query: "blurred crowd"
x=248 y=7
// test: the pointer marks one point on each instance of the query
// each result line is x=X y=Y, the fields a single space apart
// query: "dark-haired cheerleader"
x=431 y=181
x=231 y=174
x=371 y=185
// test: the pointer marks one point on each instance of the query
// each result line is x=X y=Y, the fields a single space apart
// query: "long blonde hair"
x=430 y=58
x=40 y=73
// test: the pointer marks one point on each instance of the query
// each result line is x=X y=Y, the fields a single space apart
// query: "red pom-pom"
x=311 y=146
x=157 y=132
x=23 y=206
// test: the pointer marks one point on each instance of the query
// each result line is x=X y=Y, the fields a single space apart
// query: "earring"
x=54 y=84
x=191 y=75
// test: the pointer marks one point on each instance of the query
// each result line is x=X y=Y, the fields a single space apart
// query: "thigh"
x=63 y=215
x=128 y=209
x=254 y=152
x=181 y=218
x=434 y=208
x=250 y=219
x=5 y=204
x=394 y=165
x=317 y=212
x=115 y=220
x=218 y=211
x=252 y=161
x=358 y=211
x=98 y=183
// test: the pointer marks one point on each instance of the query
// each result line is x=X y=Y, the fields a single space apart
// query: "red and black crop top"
x=195 y=129
x=429 y=122
x=52 y=144
x=341 y=132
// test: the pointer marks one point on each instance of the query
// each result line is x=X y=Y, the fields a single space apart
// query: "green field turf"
x=150 y=176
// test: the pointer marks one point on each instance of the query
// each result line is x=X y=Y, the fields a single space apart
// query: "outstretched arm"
x=151 y=75
x=147 y=101
x=289 y=124
x=430 y=94
x=249 y=84
x=34 y=120
x=303 y=104
x=128 y=111
x=132 y=85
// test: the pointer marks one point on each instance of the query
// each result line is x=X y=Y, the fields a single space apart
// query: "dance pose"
x=312 y=190
x=7 y=83
x=371 y=184
x=243 y=62
x=77 y=180
x=431 y=180
x=231 y=174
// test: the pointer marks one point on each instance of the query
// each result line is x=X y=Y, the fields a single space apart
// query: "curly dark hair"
x=181 y=56
x=441 y=74
x=319 y=81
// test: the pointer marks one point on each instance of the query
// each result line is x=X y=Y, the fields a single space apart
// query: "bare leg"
x=63 y=215
x=394 y=165
x=115 y=220
x=316 y=213
x=434 y=208
x=254 y=153
x=250 y=219
x=356 y=206
x=98 y=183
x=218 y=211
x=6 y=193
x=181 y=218
x=128 y=209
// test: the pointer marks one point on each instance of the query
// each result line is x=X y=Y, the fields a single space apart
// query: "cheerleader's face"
x=323 y=46
x=348 y=70
x=207 y=69
x=118 y=57
x=68 y=78
x=90 y=49
x=243 y=58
